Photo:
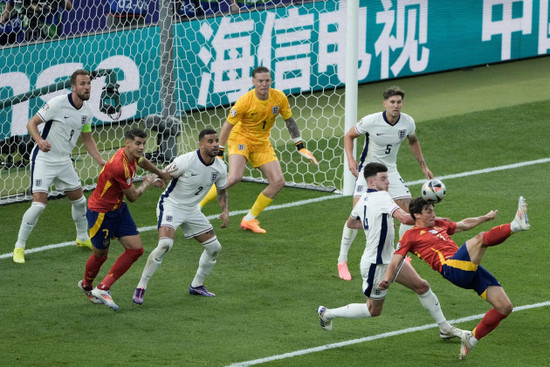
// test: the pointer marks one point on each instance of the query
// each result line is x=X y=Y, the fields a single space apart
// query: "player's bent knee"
x=79 y=204
x=212 y=246
x=165 y=244
x=421 y=287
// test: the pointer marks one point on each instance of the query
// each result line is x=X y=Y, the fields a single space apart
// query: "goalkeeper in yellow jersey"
x=246 y=133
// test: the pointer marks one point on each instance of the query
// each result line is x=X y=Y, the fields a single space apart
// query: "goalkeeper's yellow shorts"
x=256 y=154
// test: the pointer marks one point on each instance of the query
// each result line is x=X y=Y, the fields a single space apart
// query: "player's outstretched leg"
x=521 y=222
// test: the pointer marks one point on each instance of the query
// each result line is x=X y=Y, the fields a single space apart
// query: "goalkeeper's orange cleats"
x=252 y=225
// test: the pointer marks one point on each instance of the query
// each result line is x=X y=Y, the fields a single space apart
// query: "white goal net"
x=213 y=48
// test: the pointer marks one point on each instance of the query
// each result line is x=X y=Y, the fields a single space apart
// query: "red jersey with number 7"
x=117 y=175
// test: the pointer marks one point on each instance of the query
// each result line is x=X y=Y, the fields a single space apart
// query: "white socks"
x=78 y=211
x=154 y=260
x=348 y=235
x=30 y=218
x=351 y=311
x=212 y=248
x=431 y=303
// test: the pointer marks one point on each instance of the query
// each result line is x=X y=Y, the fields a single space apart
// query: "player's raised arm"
x=469 y=223
x=349 y=138
x=148 y=166
x=294 y=131
x=132 y=194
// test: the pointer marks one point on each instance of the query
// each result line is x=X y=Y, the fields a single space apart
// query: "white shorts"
x=61 y=174
x=191 y=220
x=372 y=275
x=397 y=190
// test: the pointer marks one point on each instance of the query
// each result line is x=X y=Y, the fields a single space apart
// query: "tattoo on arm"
x=292 y=127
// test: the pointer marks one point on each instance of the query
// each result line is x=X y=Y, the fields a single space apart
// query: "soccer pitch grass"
x=269 y=286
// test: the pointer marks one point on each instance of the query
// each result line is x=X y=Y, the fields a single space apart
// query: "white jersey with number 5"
x=375 y=211
x=192 y=179
x=63 y=125
x=383 y=139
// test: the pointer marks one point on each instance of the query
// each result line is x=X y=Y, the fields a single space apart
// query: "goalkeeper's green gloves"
x=304 y=152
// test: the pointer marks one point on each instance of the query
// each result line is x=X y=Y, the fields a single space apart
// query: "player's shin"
x=351 y=311
x=154 y=260
x=121 y=266
x=348 y=235
x=430 y=302
x=30 y=218
x=78 y=211
x=207 y=261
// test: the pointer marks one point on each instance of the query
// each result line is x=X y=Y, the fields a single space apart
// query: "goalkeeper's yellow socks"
x=260 y=204
x=211 y=195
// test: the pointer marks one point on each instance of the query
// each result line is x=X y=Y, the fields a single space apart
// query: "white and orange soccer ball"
x=433 y=191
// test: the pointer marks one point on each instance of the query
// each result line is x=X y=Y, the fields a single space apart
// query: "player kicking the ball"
x=374 y=213
x=430 y=240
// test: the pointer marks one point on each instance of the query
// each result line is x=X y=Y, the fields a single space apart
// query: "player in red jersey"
x=108 y=215
x=431 y=241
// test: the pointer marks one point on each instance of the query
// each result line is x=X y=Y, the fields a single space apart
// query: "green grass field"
x=268 y=286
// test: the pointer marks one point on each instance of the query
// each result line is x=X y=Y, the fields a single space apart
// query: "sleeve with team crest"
x=177 y=167
x=236 y=111
x=363 y=125
x=49 y=110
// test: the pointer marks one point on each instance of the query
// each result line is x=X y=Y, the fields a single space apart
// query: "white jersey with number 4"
x=192 y=179
x=375 y=211
x=63 y=125
x=384 y=139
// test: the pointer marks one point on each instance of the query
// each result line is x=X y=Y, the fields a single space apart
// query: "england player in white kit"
x=385 y=131
x=66 y=118
x=193 y=174
x=375 y=212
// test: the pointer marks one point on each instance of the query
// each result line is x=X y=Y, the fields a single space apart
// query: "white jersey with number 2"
x=192 y=179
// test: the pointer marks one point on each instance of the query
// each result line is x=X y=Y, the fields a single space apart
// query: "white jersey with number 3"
x=192 y=179
x=63 y=125
x=384 y=139
x=375 y=211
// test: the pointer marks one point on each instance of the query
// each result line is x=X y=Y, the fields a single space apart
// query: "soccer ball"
x=433 y=191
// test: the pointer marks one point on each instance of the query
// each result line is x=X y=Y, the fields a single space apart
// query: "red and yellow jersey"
x=117 y=175
x=432 y=244
x=254 y=118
